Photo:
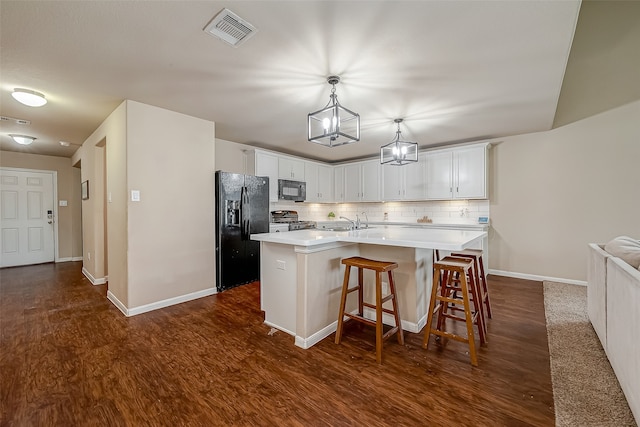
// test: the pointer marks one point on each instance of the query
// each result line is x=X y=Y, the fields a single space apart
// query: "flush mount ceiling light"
x=334 y=125
x=22 y=139
x=29 y=97
x=399 y=152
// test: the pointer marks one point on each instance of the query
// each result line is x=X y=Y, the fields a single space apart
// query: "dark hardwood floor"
x=70 y=358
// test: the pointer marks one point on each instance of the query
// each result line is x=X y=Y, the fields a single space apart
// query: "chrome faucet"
x=354 y=224
x=366 y=225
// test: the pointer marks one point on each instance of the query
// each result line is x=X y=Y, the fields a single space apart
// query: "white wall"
x=553 y=192
x=106 y=146
x=171 y=231
x=160 y=249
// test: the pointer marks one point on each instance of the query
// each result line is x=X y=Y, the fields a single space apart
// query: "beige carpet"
x=585 y=389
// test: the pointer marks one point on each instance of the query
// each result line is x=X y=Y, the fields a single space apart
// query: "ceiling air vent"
x=18 y=121
x=230 y=28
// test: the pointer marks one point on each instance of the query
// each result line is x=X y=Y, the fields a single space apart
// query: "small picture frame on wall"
x=85 y=190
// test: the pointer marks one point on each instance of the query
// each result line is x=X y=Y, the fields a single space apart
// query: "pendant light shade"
x=29 y=97
x=333 y=125
x=22 y=139
x=399 y=152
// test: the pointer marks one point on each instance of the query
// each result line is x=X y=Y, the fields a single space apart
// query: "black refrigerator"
x=242 y=209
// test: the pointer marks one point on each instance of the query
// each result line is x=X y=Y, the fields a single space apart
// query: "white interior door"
x=26 y=217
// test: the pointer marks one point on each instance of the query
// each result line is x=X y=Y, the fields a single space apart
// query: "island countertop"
x=451 y=240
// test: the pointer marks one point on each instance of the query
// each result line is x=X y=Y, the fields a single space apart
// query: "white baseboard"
x=388 y=319
x=69 y=259
x=115 y=301
x=536 y=277
x=158 y=304
x=317 y=337
x=92 y=279
x=286 y=331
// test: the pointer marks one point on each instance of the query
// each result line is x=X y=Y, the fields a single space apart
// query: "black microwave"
x=292 y=190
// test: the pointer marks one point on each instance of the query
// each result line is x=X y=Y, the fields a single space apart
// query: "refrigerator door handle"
x=245 y=214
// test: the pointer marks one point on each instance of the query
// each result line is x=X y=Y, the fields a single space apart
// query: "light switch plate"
x=62 y=203
x=135 y=195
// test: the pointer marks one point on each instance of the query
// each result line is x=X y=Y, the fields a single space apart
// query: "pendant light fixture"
x=29 y=97
x=399 y=152
x=22 y=139
x=333 y=125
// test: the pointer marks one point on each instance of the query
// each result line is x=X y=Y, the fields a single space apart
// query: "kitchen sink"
x=345 y=228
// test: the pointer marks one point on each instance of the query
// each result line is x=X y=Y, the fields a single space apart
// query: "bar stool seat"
x=379 y=267
x=454 y=285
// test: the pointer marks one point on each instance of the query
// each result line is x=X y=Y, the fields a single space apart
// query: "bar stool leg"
x=379 y=329
x=392 y=289
x=477 y=305
x=469 y=322
x=432 y=308
x=360 y=291
x=343 y=302
x=483 y=278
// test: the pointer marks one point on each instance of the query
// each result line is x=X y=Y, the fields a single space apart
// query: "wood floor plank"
x=69 y=357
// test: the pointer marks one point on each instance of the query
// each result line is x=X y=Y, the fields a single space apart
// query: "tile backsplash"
x=444 y=212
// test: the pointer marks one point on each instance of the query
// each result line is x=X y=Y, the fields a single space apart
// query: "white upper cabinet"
x=447 y=174
x=292 y=169
x=470 y=172
x=361 y=181
x=405 y=182
x=459 y=173
x=338 y=184
x=439 y=171
x=260 y=163
x=319 y=179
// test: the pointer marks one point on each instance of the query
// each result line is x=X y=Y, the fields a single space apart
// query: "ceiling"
x=454 y=70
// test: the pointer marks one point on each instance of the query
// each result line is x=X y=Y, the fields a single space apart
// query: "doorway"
x=27 y=217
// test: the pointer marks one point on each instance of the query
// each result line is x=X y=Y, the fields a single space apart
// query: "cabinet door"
x=267 y=165
x=439 y=175
x=470 y=173
x=291 y=169
x=311 y=172
x=392 y=185
x=325 y=183
x=338 y=184
x=297 y=170
x=370 y=181
x=352 y=183
x=414 y=179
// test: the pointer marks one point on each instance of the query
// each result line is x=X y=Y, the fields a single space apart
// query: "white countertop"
x=426 y=238
x=448 y=225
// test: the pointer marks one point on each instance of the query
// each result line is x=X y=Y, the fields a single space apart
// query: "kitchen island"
x=301 y=274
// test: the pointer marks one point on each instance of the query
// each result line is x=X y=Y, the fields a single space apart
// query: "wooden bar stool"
x=454 y=284
x=379 y=267
x=476 y=295
x=481 y=278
